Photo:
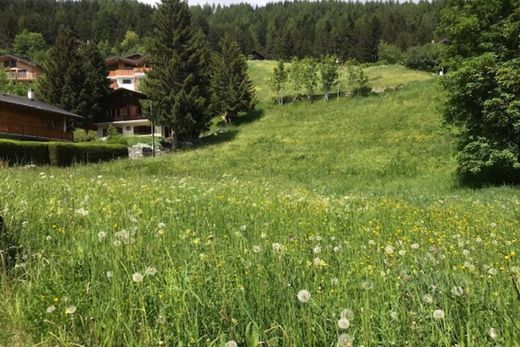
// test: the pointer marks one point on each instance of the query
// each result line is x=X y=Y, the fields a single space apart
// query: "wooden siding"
x=21 y=122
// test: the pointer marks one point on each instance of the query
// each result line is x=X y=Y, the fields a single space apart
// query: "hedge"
x=64 y=154
x=24 y=152
x=58 y=153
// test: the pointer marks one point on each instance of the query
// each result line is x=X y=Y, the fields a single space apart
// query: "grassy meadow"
x=352 y=201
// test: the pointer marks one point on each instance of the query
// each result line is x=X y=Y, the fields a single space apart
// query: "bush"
x=481 y=163
x=24 y=152
x=358 y=81
x=81 y=135
x=64 y=154
x=389 y=53
x=423 y=57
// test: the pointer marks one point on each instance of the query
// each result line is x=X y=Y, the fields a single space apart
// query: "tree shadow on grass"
x=249 y=117
x=217 y=138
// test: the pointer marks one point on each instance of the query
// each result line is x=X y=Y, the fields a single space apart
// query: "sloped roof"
x=13 y=57
x=133 y=60
x=122 y=91
x=35 y=105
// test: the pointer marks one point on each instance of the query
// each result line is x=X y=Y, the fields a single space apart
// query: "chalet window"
x=49 y=124
x=9 y=63
x=142 y=130
x=126 y=81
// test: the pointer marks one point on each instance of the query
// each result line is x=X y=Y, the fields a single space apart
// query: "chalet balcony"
x=24 y=131
x=128 y=72
x=21 y=75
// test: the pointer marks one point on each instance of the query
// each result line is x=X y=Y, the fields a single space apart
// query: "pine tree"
x=96 y=82
x=63 y=82
x=232 y=90
x=178 y=84
x=278 y=80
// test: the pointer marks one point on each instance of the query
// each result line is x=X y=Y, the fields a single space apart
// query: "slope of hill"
x=352 y=200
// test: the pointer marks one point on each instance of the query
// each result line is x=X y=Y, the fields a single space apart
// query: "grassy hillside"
x=380 y=77
x=353 y=200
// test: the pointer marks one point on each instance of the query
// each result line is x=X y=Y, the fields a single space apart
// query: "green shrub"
x=80 y=135
x=423 y=57
x=64 y=154
x=482 y=163
x=389 y=53
x=24 y=152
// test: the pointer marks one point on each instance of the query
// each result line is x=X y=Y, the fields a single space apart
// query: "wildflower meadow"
x=274 y=235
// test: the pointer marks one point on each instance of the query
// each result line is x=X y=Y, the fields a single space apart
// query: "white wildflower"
x=150 y=271
x=492 y=271
x=82 y=212
x=367 y=285
x=415 y=246
x=109 y=274
x=277 y=247
x=492 y=333
x=427 y=298
x=394 y=315
x=438 y=314
x=51 y=309
x=457 y=291
x=316 y=250
x=70 y=309
x=257 y=249
x=102 y=235
x=389 y=249
x=231 y=343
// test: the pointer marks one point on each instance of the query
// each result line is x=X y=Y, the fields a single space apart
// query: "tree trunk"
x=175 y=140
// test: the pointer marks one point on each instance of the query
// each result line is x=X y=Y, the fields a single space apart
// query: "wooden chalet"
x=28 y=119
x=19 y=69
x=126 y=72
x=122 y=110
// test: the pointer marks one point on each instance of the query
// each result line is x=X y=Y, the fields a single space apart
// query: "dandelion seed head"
x=231 y=343
x=304 y=296
x=427 y=298
x=345 y=340
x=150 y=271
x=137 y=277
x=347 y=313
x=343 y=323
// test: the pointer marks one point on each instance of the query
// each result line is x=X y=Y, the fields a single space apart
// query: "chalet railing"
x=21 y=75
x=33 y=132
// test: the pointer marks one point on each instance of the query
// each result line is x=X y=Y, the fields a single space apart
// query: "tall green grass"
x=353 y=200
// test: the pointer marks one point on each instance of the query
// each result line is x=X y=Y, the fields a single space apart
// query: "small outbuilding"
x=254 y=55
x=28 y=119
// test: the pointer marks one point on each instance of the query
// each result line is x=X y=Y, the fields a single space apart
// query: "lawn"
x=353 y=200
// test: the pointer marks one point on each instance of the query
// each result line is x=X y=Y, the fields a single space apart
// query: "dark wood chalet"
x=26 y=118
